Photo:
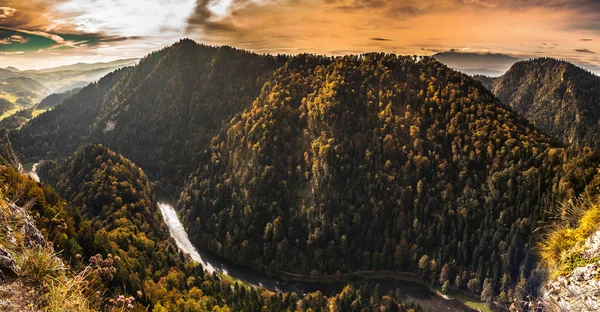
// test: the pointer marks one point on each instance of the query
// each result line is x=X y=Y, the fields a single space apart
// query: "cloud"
x=12 y=53
x=584 y=51
x=6 y=12
x=14 y=39
x=380 y=39
x=481 y=3
x=119 y=39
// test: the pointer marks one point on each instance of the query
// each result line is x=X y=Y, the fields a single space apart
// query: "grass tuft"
x=40 y=265
x=77 y=294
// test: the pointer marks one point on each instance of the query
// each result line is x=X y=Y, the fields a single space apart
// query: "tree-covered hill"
x=382 y=162
x=115 y=212
x=558 y=97
x=160 y=114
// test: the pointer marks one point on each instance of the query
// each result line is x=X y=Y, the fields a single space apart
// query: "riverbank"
x=464 y=297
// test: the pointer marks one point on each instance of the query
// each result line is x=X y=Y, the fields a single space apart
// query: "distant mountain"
x=321 y=165
x=557 y=96
x=74 y=86
x=22 y=91
x=5 y=105
x=490 y=64
x=57 y=79
x=89 y=66
x=56 y=98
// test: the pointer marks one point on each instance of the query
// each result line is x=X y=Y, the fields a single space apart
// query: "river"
x=30 y=170
x=411 y=291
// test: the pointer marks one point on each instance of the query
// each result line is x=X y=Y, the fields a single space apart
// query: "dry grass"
x=78 y=294
x=561 y=248
x=44 y=274
x=40 y=265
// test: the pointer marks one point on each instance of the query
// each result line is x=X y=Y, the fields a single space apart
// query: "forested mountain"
x=161 y=114
x=65 y=126
x=382 y=162
x=319 y=165
x=115 y=213
x=558 y=97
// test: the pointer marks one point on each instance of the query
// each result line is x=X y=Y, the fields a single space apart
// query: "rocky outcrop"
x=17 y=228
x=580 y=290
x=7 y=262
x=29 y=233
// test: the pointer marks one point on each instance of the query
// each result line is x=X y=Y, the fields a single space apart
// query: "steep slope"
x=60 y=131
x=17 y=119
x=114 y=209
x=161 y=114
x=7 y=154
x=33 y=226
x=558 y=97
x=381 y=162
x=20 y=240
x=571 y=252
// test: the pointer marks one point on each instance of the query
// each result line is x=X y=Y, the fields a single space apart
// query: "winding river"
x=411 y=291
x=30 y=170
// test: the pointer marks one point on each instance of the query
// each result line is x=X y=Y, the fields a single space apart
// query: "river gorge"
x=388 y=281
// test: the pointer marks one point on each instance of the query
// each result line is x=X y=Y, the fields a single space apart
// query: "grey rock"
x=7 y=262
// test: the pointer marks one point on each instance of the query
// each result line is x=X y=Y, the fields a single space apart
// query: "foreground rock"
x=580 y=290
x=7 y=263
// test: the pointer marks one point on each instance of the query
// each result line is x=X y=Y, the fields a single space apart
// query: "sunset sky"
x=44 y=33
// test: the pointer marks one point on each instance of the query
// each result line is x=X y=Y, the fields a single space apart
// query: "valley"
x=406 y=284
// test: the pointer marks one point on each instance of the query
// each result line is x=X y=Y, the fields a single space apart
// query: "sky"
x=46 y=33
